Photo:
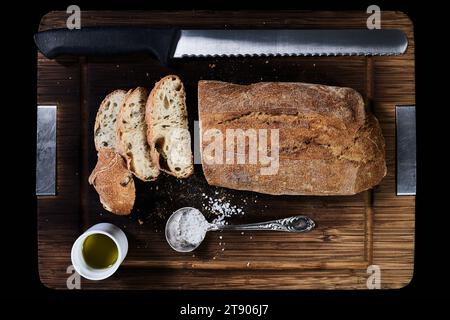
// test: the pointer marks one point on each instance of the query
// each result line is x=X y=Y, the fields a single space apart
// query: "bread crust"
x=113 y=182
x=329 y=143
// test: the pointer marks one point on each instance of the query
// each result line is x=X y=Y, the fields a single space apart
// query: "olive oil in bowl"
x=99 y=251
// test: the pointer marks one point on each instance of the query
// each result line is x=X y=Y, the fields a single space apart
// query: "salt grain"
x=221 y=208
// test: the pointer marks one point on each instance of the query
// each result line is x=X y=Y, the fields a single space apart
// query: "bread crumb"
x=140 y=222
x=248 y=264
x=212 y=65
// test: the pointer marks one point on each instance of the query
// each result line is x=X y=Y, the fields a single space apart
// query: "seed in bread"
x=167 y=127
x=113 y=182
x=131 y=137
x=105 y=121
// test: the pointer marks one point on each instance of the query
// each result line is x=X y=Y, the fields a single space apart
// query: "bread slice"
x=113 y=182
x=131 y=139
x=167 y=132
x=105 y=121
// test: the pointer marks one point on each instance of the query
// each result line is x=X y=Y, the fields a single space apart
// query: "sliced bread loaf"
x=131 y=140
x=113 y=182
x=105 y=121
x=167 y=127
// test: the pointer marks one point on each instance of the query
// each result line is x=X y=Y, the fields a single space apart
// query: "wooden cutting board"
x=372 y=228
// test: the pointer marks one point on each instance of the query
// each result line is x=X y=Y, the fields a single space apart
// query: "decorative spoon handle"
x=291 y=224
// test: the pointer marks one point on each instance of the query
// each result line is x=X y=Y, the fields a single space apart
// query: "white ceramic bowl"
x=78 y=262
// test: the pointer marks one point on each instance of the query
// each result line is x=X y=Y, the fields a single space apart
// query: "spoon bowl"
x=172 y=231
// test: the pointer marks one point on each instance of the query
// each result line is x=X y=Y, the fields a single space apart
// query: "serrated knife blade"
x=173 y=43
x=200 y=43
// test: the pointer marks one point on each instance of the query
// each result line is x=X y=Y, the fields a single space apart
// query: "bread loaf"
x=328 y=143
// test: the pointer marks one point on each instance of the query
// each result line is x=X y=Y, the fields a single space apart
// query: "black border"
x=425 y=282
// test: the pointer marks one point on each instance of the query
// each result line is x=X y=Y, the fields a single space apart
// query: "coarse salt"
x=191 y=227
x=221 y=208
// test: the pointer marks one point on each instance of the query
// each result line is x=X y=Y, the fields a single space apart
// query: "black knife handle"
x=108 y=41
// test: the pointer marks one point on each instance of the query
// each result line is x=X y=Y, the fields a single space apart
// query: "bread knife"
x=166 y=44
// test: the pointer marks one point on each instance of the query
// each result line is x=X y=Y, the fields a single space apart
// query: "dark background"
x=20 y=259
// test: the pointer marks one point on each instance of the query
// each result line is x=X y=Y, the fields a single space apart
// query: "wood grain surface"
x=374 y=227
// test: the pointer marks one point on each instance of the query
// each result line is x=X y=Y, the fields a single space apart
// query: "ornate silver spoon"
x=178 y=239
